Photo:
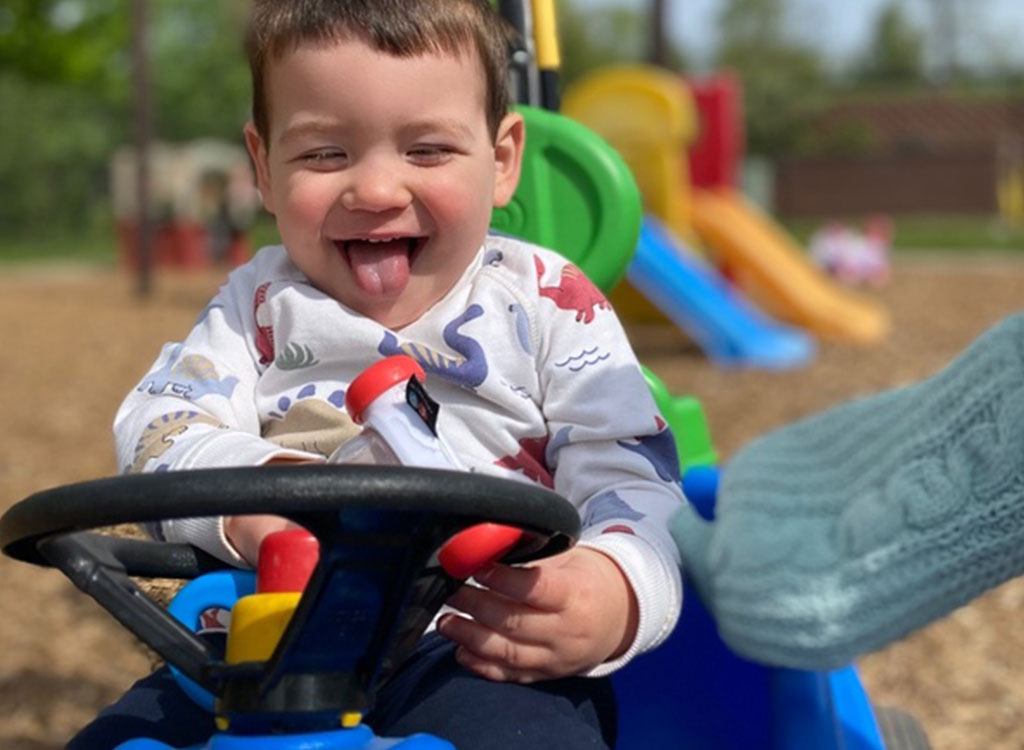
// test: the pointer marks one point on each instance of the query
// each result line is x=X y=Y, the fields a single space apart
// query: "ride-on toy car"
x=383 y=535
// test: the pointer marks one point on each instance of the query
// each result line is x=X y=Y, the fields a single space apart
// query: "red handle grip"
x=477 y=547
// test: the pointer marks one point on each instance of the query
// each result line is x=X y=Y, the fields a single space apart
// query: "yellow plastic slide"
x=769 y=265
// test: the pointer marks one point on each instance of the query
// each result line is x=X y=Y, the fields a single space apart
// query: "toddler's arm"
x=612 y=456
x=195 y=409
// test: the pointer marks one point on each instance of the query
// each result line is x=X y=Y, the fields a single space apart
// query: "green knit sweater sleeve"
x=845 y=531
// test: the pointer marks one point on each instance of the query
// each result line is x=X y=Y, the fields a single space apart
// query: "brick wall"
x=962 y=181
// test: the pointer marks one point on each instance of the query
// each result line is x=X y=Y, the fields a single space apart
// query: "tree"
x=64 y=88
x=895 y=54
x=784 y=80
x=603 y=36
x=201 y=79
x=74 y=42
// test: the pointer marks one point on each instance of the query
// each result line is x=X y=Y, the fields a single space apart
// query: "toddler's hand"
x=246 y=532
x=557 y=617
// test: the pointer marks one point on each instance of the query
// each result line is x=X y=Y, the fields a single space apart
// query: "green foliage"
x=75 y=42
x=53 y=157
x=928 y=232
x=784 y=81
x=65 y=73
x=201 y=79
x=895 y=55
x=602 y=36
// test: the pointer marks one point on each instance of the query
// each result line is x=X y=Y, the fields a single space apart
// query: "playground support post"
x=524 y=74
x=658 y=45
x=142 y=126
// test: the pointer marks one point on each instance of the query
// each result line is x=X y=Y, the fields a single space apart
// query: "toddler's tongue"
x=380 y=267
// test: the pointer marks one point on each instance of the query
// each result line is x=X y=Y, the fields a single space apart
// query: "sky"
x=842 y=27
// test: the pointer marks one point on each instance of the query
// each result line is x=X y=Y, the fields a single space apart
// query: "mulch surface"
x=75 y=341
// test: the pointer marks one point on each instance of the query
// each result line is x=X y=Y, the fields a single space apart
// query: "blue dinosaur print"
x=467 y=371
x=335 y=398
x=158 y=436
x=311 y=419
x=522 y=327
x=609 y=506
x=585 y=358
x=560 y=440
x=191 y=377
x=493 y=257
x=660 y=450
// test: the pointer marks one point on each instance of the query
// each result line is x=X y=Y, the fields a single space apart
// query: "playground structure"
x=643 y=112
x=204 y=199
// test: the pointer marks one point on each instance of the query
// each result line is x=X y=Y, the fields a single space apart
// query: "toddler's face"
x=381 y=172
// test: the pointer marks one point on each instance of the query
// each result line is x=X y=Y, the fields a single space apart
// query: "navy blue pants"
x=430 y=693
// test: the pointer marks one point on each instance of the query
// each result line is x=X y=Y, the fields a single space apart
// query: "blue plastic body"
x=359 y=738
x=691 y=692
x=700 y=485
x=221 y=589
x=694 y=692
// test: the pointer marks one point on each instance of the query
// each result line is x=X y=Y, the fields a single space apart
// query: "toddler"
x=382 y=140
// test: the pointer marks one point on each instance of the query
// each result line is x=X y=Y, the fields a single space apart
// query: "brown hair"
x=403 y=28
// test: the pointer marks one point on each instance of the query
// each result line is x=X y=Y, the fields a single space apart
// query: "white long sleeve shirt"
x=534 y=374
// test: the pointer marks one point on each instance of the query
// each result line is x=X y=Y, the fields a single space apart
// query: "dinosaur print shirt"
x=530 y=365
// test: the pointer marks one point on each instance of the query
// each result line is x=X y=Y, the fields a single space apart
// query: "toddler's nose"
x=375 y=188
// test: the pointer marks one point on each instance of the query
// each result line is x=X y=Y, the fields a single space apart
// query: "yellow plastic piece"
x=648 y=115
x=1010 y=196
x=351 y=719
x=772 y=268
x=257 y=623
x=222 y=723
x=545 y=35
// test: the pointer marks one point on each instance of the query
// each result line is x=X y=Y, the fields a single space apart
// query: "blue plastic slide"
x=692 y=295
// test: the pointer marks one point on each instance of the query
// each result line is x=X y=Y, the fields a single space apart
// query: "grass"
x=952 y=233
x=98 y=249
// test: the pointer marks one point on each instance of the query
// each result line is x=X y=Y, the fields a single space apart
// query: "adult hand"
x=554 y=618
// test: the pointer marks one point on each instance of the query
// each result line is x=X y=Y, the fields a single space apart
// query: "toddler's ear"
x=508 y=157
x=258 y=152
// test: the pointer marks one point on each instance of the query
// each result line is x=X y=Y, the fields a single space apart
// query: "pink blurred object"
x=855 y=258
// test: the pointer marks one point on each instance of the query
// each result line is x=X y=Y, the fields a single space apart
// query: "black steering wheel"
x=376 y=587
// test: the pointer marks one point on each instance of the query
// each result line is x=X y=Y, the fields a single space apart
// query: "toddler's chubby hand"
x=246 y=532
x=554 y=618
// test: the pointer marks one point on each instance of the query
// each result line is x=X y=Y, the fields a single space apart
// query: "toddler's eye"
x=430 y=155
x=324 y=158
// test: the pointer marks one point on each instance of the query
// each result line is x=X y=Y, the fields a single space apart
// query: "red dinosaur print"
x=618 y=529
x=574 y=292
x=530 y=461
x=264 y=333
